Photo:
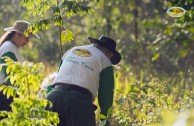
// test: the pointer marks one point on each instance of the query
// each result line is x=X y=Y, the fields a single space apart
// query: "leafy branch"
x=53 y=12
x=27 y=107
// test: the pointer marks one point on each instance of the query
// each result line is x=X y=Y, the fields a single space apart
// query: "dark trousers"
x=73 y=107
x=5 y=103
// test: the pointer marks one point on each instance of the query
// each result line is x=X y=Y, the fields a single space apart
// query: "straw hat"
x=109 y=44
x=20 y=26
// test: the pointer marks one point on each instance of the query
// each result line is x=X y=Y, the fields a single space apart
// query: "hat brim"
x=116 y=55
x=30 y=35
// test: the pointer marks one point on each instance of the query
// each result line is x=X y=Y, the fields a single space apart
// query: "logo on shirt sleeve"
x=82 y=52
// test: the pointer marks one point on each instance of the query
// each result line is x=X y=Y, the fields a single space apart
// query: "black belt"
x=73 y=87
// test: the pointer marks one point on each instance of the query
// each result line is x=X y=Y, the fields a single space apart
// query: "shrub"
x=27 y=108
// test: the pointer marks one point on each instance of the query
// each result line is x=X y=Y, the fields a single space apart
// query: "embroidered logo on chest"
x=82 y=52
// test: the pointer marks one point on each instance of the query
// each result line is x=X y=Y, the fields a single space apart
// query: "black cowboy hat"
x=109 y=44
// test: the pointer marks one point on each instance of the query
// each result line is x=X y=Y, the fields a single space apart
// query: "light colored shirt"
x=11 y=50
x=82 y=66
x=90 y=68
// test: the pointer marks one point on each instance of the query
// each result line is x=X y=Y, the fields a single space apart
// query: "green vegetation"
x=141 y=103
x=154 y=81
x=27 y=108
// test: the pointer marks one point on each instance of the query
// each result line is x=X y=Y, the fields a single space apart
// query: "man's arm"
x=106 y=90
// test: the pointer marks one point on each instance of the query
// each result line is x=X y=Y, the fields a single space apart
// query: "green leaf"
x=5 y=90
x=109 y=111
x=102 y=116
x=155 y=57
x=9 y=92
x=121 y=100
x=12 y=79
x=67 y=36
x=130 y=88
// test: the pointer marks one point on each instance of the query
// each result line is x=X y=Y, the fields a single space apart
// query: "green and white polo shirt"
x=88 y=67
x=8 y=49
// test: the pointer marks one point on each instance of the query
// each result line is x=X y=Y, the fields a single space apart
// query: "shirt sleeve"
x=106 y=90
x=2 y=61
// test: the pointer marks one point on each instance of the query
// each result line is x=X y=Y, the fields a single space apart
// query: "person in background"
x=14 y=38
x=85 y=72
